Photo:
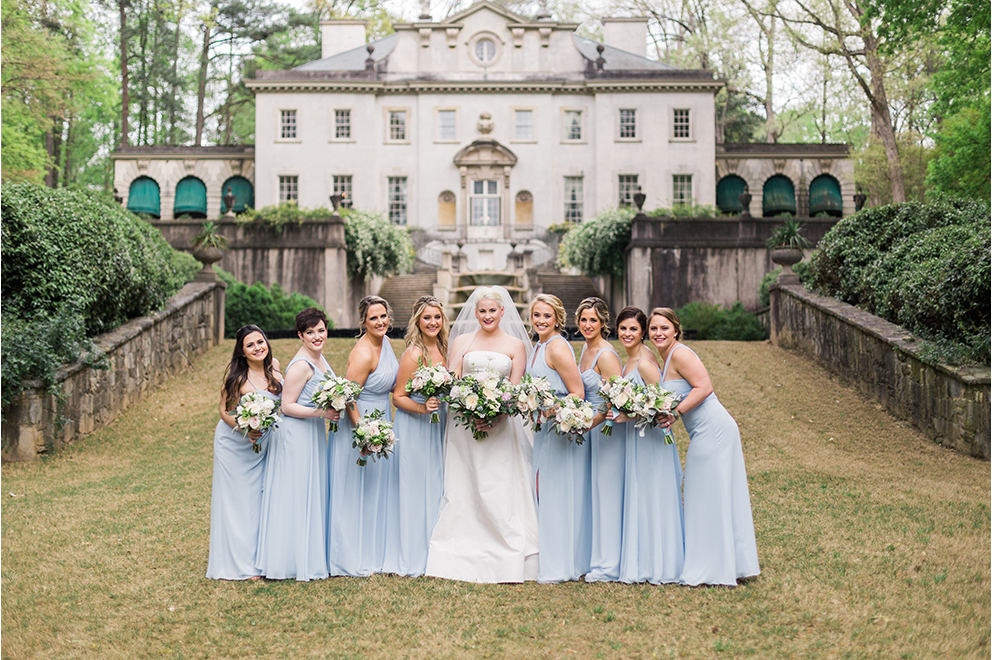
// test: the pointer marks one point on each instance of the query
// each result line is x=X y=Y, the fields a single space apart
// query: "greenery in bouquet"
x=482 y=397
x=620 y=394
x=573 y=418
x=654 y=402
x=335 y=392
x=430 y=381
x=532 y=397
x=256 y=412
x=373 y=437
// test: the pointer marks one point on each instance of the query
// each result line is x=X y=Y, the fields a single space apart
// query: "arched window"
x=524 y=209
x=244 y=194
x=191 y=198
x=778 y=197
x=728 y=194
x=824 y=196
x=446 y=209
x=142 y=197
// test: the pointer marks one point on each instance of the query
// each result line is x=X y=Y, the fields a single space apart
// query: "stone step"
x=402 y=292
x=570 y=289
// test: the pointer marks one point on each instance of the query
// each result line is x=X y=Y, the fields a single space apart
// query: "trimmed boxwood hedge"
x=268 y=308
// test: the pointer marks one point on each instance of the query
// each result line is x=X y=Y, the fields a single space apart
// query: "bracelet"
x=419 y=405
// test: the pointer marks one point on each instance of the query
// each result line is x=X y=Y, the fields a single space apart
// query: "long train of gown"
x=719 y=530
x=487 y=528
x=363 y=530
x=563 y=488
x=652 y=546
x=292 y=532
x=234 y=503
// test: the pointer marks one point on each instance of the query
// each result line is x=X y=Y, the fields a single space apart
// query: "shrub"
x=278 y=216
x=764 y=298
x=714 y=322
x=923 y=266
x=268 y=308
x=598 y=246
x=686 y=211
x=375 y=245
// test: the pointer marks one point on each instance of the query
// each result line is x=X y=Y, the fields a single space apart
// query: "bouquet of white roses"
x=620 y=394
x=335 y=392
x=573 y=418
x=482 y=397
x=430 y=382
x=656 y=401
x=373 y=436
x=533 y=396
x=256 y=412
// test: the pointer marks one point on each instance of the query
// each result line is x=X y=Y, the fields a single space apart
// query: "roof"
x=619 y=60
x=354 y=59
x=781 y=150
x=162 y=151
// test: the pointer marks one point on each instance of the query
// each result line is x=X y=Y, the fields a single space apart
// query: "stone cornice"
x=379 y=88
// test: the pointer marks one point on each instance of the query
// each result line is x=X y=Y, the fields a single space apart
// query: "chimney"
x=339 y=36
x=629 y=34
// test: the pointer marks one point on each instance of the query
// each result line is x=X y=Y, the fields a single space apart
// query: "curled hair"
x=636 y=314
x=309 y=318
x=554 y=303
x=602 y=313
x=363 y=311
x=670 y=314
x=237 y=371
x=415 y=336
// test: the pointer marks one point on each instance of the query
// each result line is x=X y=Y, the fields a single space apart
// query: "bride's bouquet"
x=373 y=436
x=256 y=412
x=430 y=382
x=573 y=418
x=655 y=401
x=533 y=396
x=335 y=392
x=620 y=394
x=483 y=397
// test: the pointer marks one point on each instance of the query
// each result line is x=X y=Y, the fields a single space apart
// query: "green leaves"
x=597 y=246
x=376 y=246
x=269 y=308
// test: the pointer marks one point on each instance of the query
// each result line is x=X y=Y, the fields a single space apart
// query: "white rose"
x=622 y=399
x=254 y=422
x=338 y=403
x=471 y=401
x=439 y=377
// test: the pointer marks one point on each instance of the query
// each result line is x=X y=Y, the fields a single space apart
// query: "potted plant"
x=208 y=247
x=787 y=244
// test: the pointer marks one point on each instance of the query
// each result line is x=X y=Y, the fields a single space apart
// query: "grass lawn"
x=874 y=543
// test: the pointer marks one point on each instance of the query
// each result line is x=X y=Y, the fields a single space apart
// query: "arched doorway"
x=778 y=197
x=191 y=198
x=143 y=197
x=244 y=194
x=824 y=196
x=728 y=194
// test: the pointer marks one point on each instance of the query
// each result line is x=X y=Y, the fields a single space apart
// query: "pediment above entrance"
x=485 y=152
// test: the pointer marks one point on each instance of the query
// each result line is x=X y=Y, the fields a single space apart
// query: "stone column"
x=337 y=285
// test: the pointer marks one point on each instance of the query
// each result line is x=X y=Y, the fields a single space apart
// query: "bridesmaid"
x=363 y=532
x=561 y=468
x=419 y=448
x=652 y=548
x=238 y=470
x=292 y=534
x=719 y=533
x=598 y=362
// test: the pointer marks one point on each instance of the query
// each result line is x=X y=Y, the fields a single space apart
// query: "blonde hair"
x=597 y=305
x=489 y=293
x=554 y=303
x=415 y=336
x=363 y=311
x=669 y=314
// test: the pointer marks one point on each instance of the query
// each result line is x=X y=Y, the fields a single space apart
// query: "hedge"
x=268 y=308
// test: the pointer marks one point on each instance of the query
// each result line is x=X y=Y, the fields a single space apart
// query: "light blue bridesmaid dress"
x=607 y=458
x=419 y=453
x=234 y=502
x=652 y=547
x=719 y=530
x=563 y=477
x=292 y=533
x=363 y=530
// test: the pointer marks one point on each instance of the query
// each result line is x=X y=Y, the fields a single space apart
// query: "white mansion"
x=484 y=129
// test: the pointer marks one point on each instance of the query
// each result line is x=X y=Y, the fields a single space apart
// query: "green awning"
x=728 y=194
x=824 y=196
x=142 y=197
x=778 y=197
x=244 y=194
x=191 y=198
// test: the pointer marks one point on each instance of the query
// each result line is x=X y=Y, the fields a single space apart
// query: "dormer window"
x=485 y=50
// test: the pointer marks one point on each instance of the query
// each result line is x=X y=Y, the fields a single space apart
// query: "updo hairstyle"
x=363 y=311
x=636 y=314
x=670 y=314
x=554 y=303
x=602 y=313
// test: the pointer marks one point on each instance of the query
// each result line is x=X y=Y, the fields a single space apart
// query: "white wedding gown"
x=487 y=528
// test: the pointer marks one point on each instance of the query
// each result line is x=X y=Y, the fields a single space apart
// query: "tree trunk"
x=57 y=127
x=771 y=133
x=50 y=148
x=881 y=120
x=125 y=98
x=175 y=76
x=201 y=87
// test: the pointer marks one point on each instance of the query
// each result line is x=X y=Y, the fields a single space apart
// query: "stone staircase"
x=402 y=292
x=571 y=289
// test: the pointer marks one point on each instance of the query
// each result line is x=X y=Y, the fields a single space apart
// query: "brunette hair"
x=363 y=311
x=237 y=371
x=554 y=303
x=636 y=314
x=670 y=314
x=598 y=305
x=309 y=318
x=414 y=335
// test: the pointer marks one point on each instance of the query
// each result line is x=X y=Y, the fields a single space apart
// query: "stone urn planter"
x=208 y=248
x=786 y=245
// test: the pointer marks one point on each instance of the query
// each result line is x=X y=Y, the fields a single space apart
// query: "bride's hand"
x=617 y=417
x=331 y=414
x=432 y=404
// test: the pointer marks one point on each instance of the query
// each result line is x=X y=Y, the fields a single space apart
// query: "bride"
x=487 y=527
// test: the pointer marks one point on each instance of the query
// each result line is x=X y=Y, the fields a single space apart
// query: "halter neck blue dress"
x=363 y=529
x=562 y=474
x=607 y=455
x=291 y=535
x=652 y=547
x=234 y=502
x=719 y=530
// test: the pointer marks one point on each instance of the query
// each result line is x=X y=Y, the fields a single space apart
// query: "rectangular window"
x=446 y=125
x=681 y=190
x=397 y=125
x=484 y=203
x=342 y=124
x=397 y=199
x=628 y=186
x=628 y=124
x=289 y=188
x=680 y=124
x=573 y=124
x=287 y=125
x=342 y=186
x=524 y=125
x=573 y=199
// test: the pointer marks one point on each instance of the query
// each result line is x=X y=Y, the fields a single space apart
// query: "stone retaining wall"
x=141 y=354
x=949 y=404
